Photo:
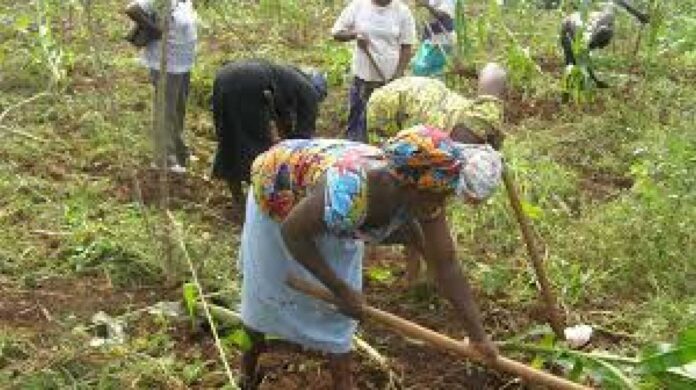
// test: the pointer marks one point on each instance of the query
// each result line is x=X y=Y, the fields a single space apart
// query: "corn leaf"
x=665 y=357
x=611 y=376
x=241 y=339
x=190 y=297
x=532 y=211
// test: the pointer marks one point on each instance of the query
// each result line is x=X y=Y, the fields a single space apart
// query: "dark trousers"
x=169 y=142
x=360 y=92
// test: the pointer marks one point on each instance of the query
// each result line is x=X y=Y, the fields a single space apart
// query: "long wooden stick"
x=552 y=310
x=547 y=294
x=440 y=341
x=23 y=102
x=374 y=63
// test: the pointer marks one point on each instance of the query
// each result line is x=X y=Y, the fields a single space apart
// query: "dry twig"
x=20 y=104
x=206 y=308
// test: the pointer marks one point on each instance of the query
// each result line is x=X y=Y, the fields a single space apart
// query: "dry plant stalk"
x=20 y=104
x=201 y=294
x=383 y=363
x=159 y=129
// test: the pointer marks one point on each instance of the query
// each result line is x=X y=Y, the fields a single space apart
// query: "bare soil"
x=603 y=186
x=184 y=191
x=44 y=305
x=41 y=310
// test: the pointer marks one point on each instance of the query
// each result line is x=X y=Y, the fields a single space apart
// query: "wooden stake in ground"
x=547 y=294
x=440 y=341
x=160 y=123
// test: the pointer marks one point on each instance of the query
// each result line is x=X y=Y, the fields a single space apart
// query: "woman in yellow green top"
x=411 y=101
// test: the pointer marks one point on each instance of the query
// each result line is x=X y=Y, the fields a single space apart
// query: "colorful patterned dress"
x=284 y=175
x=281 y=178
x=410 y=101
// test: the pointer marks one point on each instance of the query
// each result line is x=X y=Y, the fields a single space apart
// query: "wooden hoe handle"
x=552 y=312
x=374 y=64
x=440 y=341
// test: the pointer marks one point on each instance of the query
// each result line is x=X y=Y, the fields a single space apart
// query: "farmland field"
x=608 y=180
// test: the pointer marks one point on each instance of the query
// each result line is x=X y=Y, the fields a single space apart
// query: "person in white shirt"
x=440 y=28
x=384 y=32
x=437 y=38
x=181 y=53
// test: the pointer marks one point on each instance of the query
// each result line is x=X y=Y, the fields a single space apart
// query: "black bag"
x=141 y=36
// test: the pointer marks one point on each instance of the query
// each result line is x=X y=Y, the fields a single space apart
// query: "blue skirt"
x=269 y=306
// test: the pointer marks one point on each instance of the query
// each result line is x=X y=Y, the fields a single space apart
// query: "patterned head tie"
x=428 y=159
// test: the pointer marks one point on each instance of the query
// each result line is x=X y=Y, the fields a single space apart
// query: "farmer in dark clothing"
x=598 y=31
x=247 y=96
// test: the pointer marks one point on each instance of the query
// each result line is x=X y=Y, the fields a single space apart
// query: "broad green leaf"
x=675 y=357
x=663 y=357
x=577 y=370
x=241 y=339
x=611 y=376
x=532 y=211
x=538 y=362
x=687 y=337
x=190 y=297
x=677 y=378
x=22 y=22
x=548 y=341
x=380 y=274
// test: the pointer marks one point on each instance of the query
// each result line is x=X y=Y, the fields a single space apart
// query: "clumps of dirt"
x=551 y=65
x=41 y=305
x=519 y=107
x=423 y=367
x=286 y=369
x=604 y=186
x=184 y=191
x=415 y=366
x=463 y=71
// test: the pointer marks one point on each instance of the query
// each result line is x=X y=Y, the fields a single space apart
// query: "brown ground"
x=185 y=191
x=41 y=311
x=604 y=186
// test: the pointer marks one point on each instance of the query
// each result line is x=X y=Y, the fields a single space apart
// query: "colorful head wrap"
x=480 y=173
x=428 y=159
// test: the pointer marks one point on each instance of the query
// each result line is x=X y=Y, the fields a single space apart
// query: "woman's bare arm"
x=299 y=229
x=453 y=285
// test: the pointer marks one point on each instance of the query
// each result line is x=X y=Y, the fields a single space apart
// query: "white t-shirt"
x=448 y=7
x=182 y=37
x=386 y=28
